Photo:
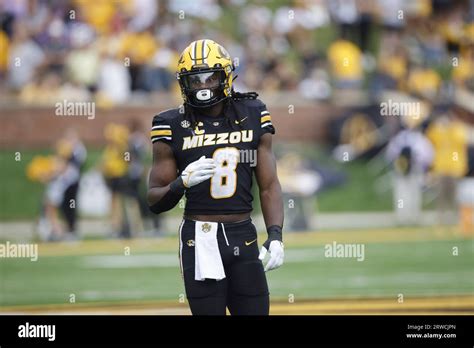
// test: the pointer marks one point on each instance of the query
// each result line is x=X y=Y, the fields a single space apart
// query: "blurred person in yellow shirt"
x=98 y=13
x=114 y=167
x=424 y=82
x=159 y=72
x=449 y=137
x=463 y=66
x=463 y=71
x=4 y=43
x=139 y=47
x=451 y=27
x=136 y=50
x=464 y=109
x=392 y=65
x=345 y=59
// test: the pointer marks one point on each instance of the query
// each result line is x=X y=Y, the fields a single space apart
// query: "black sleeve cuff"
x=177 y=186
x=171 y=198
x=274 y=233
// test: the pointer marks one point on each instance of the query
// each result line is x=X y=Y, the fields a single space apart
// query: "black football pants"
x=244 y=290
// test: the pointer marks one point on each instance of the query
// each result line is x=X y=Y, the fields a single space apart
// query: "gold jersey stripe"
x=265 y=119
x=155 y=133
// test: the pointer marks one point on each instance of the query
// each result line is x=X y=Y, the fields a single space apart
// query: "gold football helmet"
x=204 y=73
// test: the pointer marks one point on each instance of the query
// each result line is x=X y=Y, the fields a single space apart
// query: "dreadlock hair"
x=230 y=110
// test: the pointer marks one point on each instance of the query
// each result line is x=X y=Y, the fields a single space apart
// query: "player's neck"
x=213 y=111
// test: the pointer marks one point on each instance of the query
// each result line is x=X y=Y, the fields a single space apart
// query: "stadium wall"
x=40 y=127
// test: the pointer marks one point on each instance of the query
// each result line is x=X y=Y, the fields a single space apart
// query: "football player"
x=209 y=150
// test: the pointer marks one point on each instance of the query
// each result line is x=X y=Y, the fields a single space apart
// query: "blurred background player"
x=62 y=175
x=449 y=137
x=122 y=167
x=114 y=168
x=138 y=150
x=410 y=154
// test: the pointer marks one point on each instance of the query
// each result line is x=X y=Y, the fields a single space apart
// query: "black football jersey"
x=231 y=141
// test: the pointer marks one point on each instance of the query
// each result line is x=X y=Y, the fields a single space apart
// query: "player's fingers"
x=206 y=172
x=282 y=258
x=279 y=261
x=271 y=264
x=201 y=178
x=279 y=252
x=206 y=161
x=202 y=158
x=273 y=260
x=205 y=166
x=263 y=252
x=276 y=260
x=203 y=169
x=201 y=163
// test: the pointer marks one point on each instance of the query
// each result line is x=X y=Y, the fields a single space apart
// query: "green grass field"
x=412 y=262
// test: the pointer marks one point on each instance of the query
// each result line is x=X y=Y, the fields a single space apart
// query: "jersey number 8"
x=224 y=180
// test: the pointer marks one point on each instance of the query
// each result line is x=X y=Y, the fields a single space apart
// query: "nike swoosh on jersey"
x=242 y=120
x=248 y=243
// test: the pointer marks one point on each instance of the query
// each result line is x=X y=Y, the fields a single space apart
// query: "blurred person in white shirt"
x=411 y=154
x=25 y=57
x=114 y=82
x=82 y=63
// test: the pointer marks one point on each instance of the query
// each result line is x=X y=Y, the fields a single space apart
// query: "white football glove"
x=277 y=254
x=198 y=171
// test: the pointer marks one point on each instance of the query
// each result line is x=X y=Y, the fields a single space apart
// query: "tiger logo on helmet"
x=204 y=73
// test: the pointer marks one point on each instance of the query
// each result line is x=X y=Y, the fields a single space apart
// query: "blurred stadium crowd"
x=114 y=51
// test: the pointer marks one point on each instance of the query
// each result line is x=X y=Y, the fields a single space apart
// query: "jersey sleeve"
x=266 y=125
x=161 y=130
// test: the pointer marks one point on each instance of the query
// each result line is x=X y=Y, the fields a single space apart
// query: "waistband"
x=226 y=224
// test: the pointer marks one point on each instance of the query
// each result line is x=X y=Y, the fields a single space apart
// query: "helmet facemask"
x=203 y=88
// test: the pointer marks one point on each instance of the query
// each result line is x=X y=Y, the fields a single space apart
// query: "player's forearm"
x=272 y=204
x=161 y=199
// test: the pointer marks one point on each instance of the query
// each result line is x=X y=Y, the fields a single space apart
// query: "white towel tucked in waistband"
x=208 y=262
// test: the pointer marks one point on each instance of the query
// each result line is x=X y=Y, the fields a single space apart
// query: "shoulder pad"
x=162 y=126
